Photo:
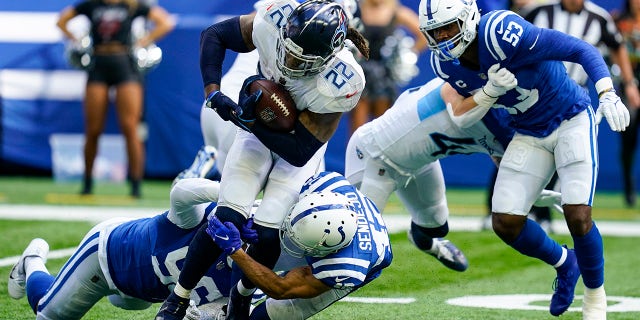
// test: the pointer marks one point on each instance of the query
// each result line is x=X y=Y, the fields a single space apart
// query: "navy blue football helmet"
x=315 y=31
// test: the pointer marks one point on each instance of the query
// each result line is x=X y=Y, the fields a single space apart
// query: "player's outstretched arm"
x=297 y=283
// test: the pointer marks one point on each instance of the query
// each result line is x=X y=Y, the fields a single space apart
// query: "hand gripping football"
x=275 y=109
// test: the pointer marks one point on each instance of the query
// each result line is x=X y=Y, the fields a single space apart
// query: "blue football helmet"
x=315 y=31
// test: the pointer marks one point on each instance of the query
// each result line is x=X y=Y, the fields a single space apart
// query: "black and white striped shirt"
x=592 y=24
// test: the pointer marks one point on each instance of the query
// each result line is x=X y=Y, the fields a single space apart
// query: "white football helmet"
x=319 y=224
x=434 y=14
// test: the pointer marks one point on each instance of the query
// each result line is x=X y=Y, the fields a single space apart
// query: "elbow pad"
x=296 y=148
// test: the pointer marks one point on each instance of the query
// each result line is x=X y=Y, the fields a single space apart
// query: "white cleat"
x=594 y=304
x=202 y=164
x=18 y=276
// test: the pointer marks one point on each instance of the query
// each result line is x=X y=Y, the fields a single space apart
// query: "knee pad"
x=226 y=214
x=423 y=237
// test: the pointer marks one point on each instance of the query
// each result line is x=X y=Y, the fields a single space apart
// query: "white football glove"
x=612 y=108
x=500 y=81
x=551 y=199
x=193 y=313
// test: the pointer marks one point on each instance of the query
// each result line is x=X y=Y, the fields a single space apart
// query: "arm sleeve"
x=213 y=43
x=547 y=44
x=189 y=199
x=470 y=117
x=296 y=148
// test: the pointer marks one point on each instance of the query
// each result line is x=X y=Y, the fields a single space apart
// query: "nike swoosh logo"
x=223 y=238
x=340 y=279
x=501 y=27
x=349 y=95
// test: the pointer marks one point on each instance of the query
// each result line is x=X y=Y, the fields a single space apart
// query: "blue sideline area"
x=173 y=99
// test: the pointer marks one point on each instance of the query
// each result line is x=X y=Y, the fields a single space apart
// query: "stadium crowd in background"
x=112 y=66
x=499 y=60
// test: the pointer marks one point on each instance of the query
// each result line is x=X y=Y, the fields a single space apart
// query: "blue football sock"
x=534 y=242
x=37 y=286
x=590 y=255
x=260 y=312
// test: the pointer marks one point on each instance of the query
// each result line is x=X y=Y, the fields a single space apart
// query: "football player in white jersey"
x=218 y=134
x=339 y=232
x=302 y=47
x=499 y=60
x=132 y=262
x=399 y=151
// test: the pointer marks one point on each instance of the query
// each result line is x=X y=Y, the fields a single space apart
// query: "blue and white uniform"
x=550 y=113
x=135 y=262
x=351 y=267
x=399 y=151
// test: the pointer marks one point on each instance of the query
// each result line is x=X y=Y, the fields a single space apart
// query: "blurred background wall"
x=41 y=95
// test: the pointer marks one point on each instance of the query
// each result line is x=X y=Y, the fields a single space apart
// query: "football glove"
x=551 y=199
x=248 y=101
x=612 y=108
x=247 y=233
x=228 y=110
x=225 y=235
x=222 y=104
x=500 y=81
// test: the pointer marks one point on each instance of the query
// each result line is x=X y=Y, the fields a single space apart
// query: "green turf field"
x=495 y=269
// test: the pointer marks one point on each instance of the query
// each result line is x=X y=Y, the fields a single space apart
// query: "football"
x=275 y=108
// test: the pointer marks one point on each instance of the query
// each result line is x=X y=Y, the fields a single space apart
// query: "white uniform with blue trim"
x=550 y=112
x=351 y=267
x=399 y=151
x=137 y=262
x=250 y=166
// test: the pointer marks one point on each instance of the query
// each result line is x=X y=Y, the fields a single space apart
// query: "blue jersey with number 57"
x=145 y=257
x=545 y=95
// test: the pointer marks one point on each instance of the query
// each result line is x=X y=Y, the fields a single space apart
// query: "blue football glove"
x=249 y=234
x=246 y=101
x=225 y=235
x=222 y=104
x=228 y=110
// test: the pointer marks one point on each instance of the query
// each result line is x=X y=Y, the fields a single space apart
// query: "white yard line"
x=395 y=223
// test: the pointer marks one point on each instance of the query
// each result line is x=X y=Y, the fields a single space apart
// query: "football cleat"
x=18 y=275
x=594 y=304
x=239 y=305
x=174 y=308
x=447 y=253
x=201 y=166
x=565 y=284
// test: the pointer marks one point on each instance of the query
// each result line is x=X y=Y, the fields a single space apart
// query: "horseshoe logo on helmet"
x=343 y=236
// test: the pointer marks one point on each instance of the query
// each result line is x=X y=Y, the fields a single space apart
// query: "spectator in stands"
x=629 y=25
x=112 y=67
x=381 y=19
